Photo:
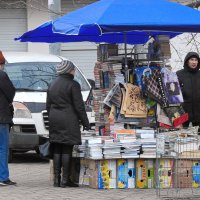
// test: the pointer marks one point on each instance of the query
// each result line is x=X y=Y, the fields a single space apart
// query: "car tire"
x=10 y=155
x=37 y=151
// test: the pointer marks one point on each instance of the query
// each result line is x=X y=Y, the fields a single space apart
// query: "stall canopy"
x=111 y=20
x=119 y=16
x=45 y=34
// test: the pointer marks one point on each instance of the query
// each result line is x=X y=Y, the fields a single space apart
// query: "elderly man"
x=7 y=93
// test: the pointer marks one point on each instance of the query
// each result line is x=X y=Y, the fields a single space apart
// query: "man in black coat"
x=189 y=79
x=7 y=93
x=66 y=111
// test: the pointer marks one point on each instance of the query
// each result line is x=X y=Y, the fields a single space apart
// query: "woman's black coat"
x=66 y=110
x=7 y=93
x=190 y=86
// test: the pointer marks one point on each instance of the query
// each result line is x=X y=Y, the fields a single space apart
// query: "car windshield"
x=37 y=76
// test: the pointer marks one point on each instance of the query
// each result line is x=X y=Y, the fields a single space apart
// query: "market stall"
x=134 y=98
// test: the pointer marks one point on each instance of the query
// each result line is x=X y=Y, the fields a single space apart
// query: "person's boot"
x=66 y=162
x=57 y=169
x=72 y=184
x=66 y=165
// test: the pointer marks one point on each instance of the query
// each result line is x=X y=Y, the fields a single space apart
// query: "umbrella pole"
x=126 y=63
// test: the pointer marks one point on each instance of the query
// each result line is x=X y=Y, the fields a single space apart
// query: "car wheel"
x=10 y=155
x=37 y=150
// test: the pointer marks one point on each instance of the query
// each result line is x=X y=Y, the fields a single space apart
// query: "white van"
x=31 y=75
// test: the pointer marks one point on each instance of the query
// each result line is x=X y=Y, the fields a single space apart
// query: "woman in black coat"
x=66 y=111
x=189 y=79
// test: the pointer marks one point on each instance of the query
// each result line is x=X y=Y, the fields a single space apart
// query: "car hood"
x=39 y=97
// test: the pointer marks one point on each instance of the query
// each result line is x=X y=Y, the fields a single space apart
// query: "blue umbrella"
x=44 y=33
x=128 y=15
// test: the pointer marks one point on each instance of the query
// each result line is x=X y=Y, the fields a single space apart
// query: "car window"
x=38 y=76
x=81 y=80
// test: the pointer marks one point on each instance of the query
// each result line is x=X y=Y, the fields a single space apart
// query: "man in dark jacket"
x=7 y=93
x=189 y=79
x=66 y=111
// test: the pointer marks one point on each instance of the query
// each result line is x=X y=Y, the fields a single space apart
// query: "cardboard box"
x=183 y=174
x=145 y=173
x=164 y=176
x=196 y=174
x=102 y=174
x=84 y=173
x=126 y=173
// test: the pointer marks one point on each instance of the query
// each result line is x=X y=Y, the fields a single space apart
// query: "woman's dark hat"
x=65 y=67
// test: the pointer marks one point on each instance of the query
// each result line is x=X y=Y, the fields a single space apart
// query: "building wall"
x=13 y=23
x=37 y=14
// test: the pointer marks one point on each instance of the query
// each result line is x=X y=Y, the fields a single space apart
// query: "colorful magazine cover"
x=171 y=87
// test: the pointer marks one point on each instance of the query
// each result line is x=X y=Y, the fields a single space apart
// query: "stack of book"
x=97 y=68
x=186 y=144
x=176 y=143
x=94 y=148
x=80 y=150
x=111 y=150
x=148 y=148
x=123 y=133
x=104 y=75
x=101 y=115
x=130 y=147
x=107 y=78
x=116 y=126
x=145 y=133
x=148 y=142
x=118 y=76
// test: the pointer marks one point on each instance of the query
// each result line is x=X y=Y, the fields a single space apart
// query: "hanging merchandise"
x=171 y=87
x=152 y=88
x=155 y=89
x=142 y=72
x=162 y=118
x=135 y=105
x=122 y=110
x=114 y=97
x=176 y=115
x=112 y=115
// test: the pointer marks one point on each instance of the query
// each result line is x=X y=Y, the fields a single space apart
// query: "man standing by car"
x=7 y=93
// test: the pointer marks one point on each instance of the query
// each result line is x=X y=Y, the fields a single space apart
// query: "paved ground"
x=33 y=178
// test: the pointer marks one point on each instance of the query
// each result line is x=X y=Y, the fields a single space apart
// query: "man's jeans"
x=4 y=142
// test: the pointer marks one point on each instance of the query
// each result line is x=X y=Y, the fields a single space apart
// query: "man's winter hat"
x=65 y=67
x=2 y=59
x=187 y=57
x=191 y=55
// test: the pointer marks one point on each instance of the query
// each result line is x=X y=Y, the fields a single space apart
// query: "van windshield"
x=38 y=76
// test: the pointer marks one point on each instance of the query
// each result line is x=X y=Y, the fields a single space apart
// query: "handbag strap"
x=160 y=83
